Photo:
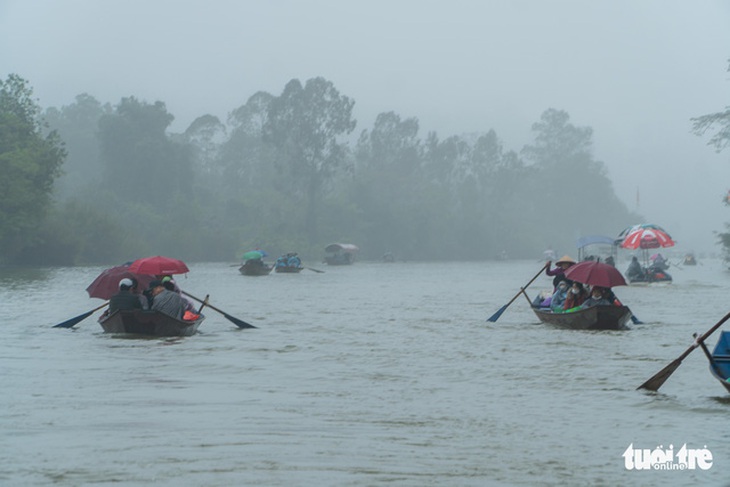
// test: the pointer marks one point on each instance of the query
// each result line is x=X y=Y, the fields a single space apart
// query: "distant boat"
x=255 y=267
x=340 y=254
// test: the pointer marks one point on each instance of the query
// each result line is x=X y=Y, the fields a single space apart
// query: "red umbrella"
x=596 y=274
x=106 y=284
x=158 y=265
x=647 y=238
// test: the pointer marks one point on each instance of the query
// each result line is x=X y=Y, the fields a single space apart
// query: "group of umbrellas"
x=143 y=270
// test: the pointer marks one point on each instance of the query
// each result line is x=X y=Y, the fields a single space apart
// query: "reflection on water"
x=368 y=374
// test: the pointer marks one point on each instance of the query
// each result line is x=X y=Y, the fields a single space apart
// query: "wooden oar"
x=315 y=270
x=499 y=312
x=79 y=318
x=232 y=319
x=656 y=381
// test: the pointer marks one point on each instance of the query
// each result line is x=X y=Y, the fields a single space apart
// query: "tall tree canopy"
x=29 y=162
x=305 y=124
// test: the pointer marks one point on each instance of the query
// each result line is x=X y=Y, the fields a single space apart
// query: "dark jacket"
x=124 y=300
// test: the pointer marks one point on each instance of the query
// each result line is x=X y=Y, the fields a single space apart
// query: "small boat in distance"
x=340 y=254
x=289 y=264
x=148 y=323
x=255 y=267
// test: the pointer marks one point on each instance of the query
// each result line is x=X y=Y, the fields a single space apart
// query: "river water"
x=362 y=375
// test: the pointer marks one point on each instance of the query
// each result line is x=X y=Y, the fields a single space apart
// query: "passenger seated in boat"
x=143 y=299
x=293 y=260
x=171 y=285
x=125 y=299
x=559 y=296
x=598 y=297
x=166 y=301
x=635 y=271
x=577 y=295
x=282 y=261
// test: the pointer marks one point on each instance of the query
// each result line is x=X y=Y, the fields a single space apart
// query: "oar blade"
x=658 y=379
x=315 y=270
x=496 y=315
x=239 y=323
x=636 y=320
x=74 y=321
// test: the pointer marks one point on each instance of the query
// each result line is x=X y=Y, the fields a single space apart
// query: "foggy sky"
x=635 y=71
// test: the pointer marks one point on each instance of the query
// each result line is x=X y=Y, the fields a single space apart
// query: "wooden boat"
x=340 y=254
x=286 y=269
x=262 y=269
x=147 y=322
x=593 y=318
x=720 y=359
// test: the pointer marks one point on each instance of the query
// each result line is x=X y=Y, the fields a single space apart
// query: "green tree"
x=29 y=162
x=721 y=140
x=78 y=125
x=388 y=160
x=719 y=120
x=306 y=124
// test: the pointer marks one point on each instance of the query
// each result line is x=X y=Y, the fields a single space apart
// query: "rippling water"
x=363 y=375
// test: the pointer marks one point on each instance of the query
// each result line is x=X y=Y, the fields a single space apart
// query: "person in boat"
x=598 y=297
x=125 y=299
x=577 y=295
x=171 y=285
x=609 y=260
x=558 y=272
x=143 y=298
x=659 y=264
x=282 y=261
x=293 y=260
x=166 y=301
x=635 y=271
x=559 y=296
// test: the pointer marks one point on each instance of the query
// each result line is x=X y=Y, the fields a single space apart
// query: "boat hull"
x=264 y=270
x=150 y=323
x=720 y=362
x=593 y=318
x=288 y=270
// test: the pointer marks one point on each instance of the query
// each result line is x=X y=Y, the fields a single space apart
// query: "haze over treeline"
x=292 y=171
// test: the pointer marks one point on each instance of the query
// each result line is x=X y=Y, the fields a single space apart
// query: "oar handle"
x=204 y=302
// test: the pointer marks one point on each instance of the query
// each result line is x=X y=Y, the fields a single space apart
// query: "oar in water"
x=656 y=381
x=315 y=270
x=499 y=312
x=79 y=318
x=232 y=319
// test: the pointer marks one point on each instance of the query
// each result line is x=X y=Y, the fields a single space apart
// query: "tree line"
x=92 y=182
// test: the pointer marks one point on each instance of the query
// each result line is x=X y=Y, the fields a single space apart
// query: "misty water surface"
x=363 y=375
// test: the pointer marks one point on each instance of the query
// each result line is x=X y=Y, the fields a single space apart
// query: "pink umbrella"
x=647 y=238
x=596 y=274
x=158 y=265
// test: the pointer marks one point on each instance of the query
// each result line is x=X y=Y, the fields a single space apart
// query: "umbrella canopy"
x=647 y=238
x=106 y=284
x=254 y=254
x=158 y=265
x=596 y=274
